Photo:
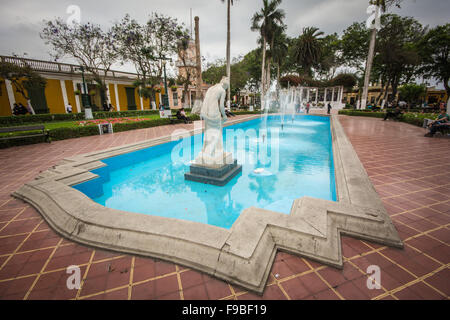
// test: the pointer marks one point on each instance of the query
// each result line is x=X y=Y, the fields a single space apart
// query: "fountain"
x=213 y=165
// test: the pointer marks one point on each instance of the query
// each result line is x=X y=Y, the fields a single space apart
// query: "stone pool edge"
x=242 y=255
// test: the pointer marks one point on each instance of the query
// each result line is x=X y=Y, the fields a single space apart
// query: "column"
x=64 y=94
x=317 y=95
x=142 y=102
x=108 y=93
x=307 y=95
x=116 y=92
x=325 y=96
x=11 y=98
x=77 y=97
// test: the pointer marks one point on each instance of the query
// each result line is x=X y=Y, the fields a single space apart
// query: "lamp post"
x=85 y=100
x=84 y=96
x=166 y=94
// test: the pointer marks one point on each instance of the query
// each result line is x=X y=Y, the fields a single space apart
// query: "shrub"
x=413 y=118
x=42 y=118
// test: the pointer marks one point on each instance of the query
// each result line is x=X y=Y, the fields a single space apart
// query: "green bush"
x=42 y=118
x=69 y=133
x=20 y=142
x=413 y=118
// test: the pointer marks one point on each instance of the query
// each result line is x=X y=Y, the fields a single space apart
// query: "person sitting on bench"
x=442 y=121
x=181 y=114
x=393 y=114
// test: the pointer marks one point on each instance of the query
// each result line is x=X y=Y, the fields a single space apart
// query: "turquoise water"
x=298 y=162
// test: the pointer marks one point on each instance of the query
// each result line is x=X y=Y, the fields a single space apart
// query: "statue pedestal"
x=218 y=174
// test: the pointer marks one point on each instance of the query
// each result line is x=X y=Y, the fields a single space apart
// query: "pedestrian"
x=307 y=108
x=16 y=109
x=22 y=109
x=441 y=121
x=69 y=108
x=328 y=108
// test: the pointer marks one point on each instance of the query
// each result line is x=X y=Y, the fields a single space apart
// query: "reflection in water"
x=296 y=162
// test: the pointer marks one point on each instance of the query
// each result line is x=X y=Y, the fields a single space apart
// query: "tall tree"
x=265 y=21
x=331 y=57
x=308 y=49
x=278 y=50
x=396 y=55
x=92 y=47
x=435 y=52
x=383 y=5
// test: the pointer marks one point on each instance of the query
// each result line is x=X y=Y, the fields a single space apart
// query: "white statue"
x=213 y=113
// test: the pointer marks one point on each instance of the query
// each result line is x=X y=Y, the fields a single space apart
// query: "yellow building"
x=65 y=85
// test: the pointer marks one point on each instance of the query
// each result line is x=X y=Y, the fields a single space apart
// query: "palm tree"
x=308 y=49
x=383 y=4
x=229 y=4
x=266 y=21
x=278 y=50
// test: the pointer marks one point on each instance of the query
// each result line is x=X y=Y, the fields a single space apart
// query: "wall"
x=53 y=93
x=122 y=97
x=71 y=95
x=5 y=107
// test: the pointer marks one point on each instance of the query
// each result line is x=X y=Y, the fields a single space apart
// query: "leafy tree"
x=279 y=49
x=384 y=5
x=215 y=71
x=434 y=49
x=23 y=78
x=146 y=45
x=354 y=43
x=397 y=58
x=412 y=93
x=92 y=47
x=308 y=49
x=331 y=57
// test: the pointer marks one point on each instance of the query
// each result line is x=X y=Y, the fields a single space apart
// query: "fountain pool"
x=290 y=163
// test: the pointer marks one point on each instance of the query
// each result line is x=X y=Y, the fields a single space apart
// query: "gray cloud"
x=21 y=21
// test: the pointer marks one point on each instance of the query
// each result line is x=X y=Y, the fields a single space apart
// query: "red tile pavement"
x=409 y=172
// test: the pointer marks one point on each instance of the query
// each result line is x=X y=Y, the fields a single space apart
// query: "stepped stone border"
x=242 y=255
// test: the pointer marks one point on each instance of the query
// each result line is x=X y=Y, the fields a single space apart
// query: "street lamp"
x=166 y=93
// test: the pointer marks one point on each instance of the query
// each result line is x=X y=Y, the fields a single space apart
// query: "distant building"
x=433 y=96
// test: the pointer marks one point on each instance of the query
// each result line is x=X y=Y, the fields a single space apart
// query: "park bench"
x=27 y=132
x=443 y=130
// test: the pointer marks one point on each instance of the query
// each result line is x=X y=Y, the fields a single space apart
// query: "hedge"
x=83 y=131
x=410 y=117
x=42 y=118
x=91 y=130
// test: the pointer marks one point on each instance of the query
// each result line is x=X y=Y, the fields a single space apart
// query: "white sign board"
x=88 y=113
x=165 y=113
x=105 y=128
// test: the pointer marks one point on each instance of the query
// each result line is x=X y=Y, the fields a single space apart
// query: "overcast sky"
x=21 y=21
